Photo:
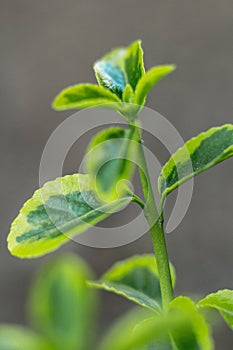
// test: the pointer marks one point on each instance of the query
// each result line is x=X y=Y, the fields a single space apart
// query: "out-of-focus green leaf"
x=110 y=159
x=197 y=155
x=182 y=328
x=134 y=66
x=83 y=96
x=147 y=81
x=14 y=337
x=136 y=279
x=61 y=305
x=123 y=335
x=58 y=211
x=161 y=341
x=189 y=329
x=221 y=301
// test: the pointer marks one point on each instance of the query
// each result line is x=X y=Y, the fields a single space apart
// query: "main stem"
x=155 y=223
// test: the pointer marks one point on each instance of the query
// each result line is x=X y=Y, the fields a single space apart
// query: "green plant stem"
x=155 y=223
x=139 y=201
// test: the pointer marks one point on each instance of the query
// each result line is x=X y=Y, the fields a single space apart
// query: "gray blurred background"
x=46 y=46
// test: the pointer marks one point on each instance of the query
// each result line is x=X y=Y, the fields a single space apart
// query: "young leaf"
x=136 y=279
x=129 y=109
x=221 y=301
x=128 y=94
x=197 y=155
x=110 y=77
x=116 y=57
x=61 y=306
x=189 y=329
x=14 y=337
x=120 y=67
x=109 y=160
x=58 y=211
x=134 y=66
x=147 y=81
x=83 y=96
x=109 y=71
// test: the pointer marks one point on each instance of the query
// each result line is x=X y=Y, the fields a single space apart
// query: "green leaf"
x=61 y=305
x=128 y=94
x=221 y=301
x=14 y=337
x=189 y=329
x=123 y=335
x=182 y=328
x=120 y=67
x=136 y=279
x=109 y=71
x=147 y=81
x=129 y=109
x=58 y=211
x=116 y=57
x=119 y=73
x=134 y=66
x=110 y=77
x=83 y=96
x=197 y=155
x=109 y=160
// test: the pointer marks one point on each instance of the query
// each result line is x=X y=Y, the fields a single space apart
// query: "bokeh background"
x=46 y=46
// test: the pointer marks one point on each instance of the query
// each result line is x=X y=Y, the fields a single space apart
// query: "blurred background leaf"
x=61 y=306
x=14 y=337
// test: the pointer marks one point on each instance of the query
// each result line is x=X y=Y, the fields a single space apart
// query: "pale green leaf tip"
x=55 y=103
x=170 y=67
x=138 y=42
x=95 y=66
x=173 y=67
